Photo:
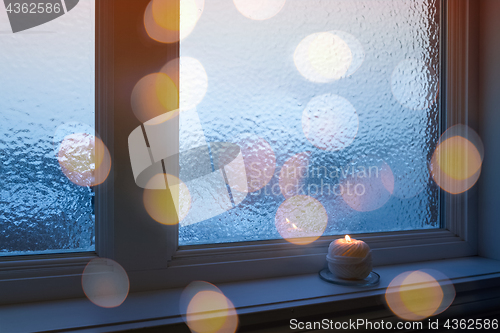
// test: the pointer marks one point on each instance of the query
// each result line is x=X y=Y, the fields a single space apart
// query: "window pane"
x=47 y=83
x=329 y=110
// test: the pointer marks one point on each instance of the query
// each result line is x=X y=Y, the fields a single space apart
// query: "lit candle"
x=349 y=259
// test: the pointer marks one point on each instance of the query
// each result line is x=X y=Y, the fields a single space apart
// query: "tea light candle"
x=349 y=259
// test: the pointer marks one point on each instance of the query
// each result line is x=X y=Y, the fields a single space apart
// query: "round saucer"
x=371 y=280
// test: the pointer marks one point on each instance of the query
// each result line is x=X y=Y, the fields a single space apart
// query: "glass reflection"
x=315 y=85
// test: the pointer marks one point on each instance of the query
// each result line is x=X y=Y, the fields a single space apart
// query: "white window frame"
x=31 y=278
x=149 y=251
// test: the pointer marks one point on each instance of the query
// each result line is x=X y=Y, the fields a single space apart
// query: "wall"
x=489 y=107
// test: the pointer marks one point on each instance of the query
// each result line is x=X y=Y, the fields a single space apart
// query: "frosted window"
x=317 y=95
x=47 y=92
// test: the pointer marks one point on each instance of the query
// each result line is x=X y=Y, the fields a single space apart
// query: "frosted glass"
x=326 y=85
x=47 y=92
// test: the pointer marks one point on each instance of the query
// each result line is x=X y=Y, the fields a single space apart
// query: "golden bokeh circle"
x=166 y=199
x=168 y=21
x=301 y=219
x=456 y=162
x=105 y=283
x=153 y=96
x=206 y=309
x=416 y=295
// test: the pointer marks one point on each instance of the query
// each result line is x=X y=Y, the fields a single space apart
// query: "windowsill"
x=161 y=308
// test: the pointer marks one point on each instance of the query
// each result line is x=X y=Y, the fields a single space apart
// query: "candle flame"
x=347 y=238
x=293 y=224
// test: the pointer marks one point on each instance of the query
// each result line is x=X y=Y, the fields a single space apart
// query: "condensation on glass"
x=47 y=92
x=334 y=107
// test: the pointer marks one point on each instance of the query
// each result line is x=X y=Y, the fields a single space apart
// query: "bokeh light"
x=84 y=159
x=166 y=204
x=369 y=185
x=193 y=79
x=301 y=219
x=259 y=159
x=420 y=294
x=166 y=13
x=293 y=173
x=105 y=283
x=207 y=309
x=330 y=122
x=454 y=150
x=154 y=95
x=456 y=163
x=447 y=287
x=259 y=9
x=155 y=31
x=414 y=84
x=356 y=48
x=167 y=21
x=416 y=295
x=327 y=56
x=69 y=128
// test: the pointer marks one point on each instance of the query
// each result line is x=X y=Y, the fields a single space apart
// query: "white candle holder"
x=371 y=280
x=350 y=268
x=349 y=263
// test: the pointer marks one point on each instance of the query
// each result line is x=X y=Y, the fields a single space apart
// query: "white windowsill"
x=161 y=307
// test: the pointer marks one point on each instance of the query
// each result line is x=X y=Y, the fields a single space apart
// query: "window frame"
x=30 y=278
x=149 y=252
x=274 y=258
